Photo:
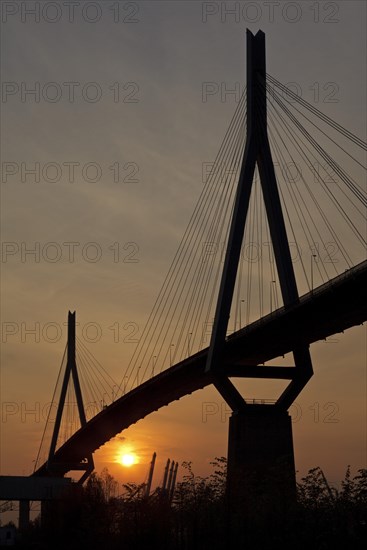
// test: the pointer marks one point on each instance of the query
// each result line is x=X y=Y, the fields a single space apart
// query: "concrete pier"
x=261 y=483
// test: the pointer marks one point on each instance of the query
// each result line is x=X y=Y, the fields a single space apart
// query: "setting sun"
x=127 y=459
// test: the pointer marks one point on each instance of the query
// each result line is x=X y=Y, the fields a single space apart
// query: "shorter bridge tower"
x=71 y=369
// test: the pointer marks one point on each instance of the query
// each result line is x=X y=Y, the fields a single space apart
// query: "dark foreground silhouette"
x=96 y=517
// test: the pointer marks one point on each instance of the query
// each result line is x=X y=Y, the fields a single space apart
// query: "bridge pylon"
x=260 y=449
x=257 y=152
x=87 y=465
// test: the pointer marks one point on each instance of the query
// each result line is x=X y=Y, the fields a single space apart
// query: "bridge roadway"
x=329 y=309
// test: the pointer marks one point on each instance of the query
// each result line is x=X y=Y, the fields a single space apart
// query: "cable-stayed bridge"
x=272 y=260
x=337 y=306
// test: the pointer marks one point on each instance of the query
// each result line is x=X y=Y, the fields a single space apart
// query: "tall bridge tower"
x=260 y=449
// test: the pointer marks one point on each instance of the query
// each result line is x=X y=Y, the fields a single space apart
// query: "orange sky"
x=168 y=134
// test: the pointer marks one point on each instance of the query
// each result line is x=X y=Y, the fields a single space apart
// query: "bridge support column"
x=261 y=485
x=23 y=515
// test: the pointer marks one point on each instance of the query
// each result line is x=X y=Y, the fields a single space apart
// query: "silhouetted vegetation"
x=95 y=516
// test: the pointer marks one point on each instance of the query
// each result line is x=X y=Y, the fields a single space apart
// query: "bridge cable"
x=300 y=210
x=355 y=139
x=350 y=183
x=188 y=272
x=188 y=238
x=294 y=140
x=195 y=290
x=49 y=410
x=192 y=226
x=325 y=187
x=330 y=161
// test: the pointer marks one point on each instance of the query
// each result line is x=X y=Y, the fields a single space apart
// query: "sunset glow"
x=127 y=459
x=118 y=211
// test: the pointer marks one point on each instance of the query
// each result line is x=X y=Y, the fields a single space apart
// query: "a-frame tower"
x=71 y=369
x=260 y=450
x=257 y=152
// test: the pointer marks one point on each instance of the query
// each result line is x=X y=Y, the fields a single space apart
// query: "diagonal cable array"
x=181 y=314
x=46 y=435
x=324 y=206
x=98 y=390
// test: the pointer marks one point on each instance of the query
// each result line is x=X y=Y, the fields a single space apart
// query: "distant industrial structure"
x=25 y=489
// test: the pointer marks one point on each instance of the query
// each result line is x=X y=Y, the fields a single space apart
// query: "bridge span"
x=329 y=309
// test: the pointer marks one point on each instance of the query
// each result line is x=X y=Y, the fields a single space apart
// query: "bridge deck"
x=329 y=309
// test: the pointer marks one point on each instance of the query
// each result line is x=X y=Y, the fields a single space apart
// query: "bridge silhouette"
x=228 y=208
x=337 y=305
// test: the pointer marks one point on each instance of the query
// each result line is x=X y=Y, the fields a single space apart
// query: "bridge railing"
x=349 y=273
